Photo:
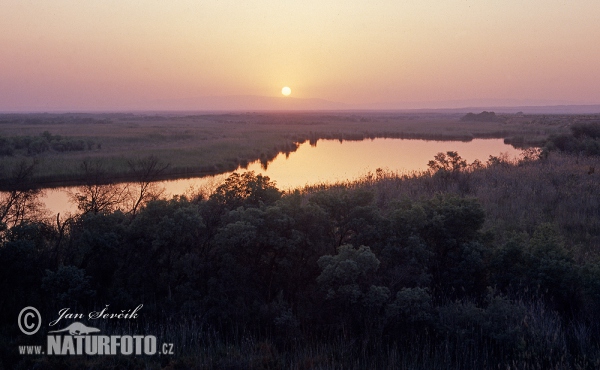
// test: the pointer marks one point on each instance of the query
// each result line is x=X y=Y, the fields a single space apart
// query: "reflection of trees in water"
x=264 y=164
x=267 y=157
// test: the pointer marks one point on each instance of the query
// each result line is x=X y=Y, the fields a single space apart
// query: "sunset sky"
x=138 y=55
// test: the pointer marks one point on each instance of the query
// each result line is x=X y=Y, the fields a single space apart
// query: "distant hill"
x=527 y=106
x=260 y=103
x=542 y=109
x=246 y=103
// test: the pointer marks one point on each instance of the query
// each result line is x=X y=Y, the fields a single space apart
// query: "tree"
x=247 y=189
x=352 y=297
x=98 y=194
x=451 y=232
x=346 y=275
x=146 y=171
x=449 y=162
x=165 y=250
x=351 y=214
x=20 y=203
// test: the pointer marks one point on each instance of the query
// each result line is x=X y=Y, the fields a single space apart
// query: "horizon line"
x=306 y=110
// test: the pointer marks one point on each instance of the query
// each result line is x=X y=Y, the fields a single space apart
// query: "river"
x=327 y=161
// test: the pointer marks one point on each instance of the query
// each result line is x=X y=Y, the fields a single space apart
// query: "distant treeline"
x=481 y=265
x=482 y=117
x=33 y=145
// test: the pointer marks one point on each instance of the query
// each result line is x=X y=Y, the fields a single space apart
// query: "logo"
x=78 y=338
x=77 y=328
x=27 y=318
x=79 y=341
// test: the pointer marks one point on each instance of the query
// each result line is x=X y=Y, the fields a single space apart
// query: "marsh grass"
x=517 y=194
x=199 y=346
x=212 y=144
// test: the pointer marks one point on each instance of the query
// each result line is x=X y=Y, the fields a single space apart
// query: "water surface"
x=328 y=161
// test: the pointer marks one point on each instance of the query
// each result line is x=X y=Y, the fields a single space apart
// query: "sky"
x=115 y=55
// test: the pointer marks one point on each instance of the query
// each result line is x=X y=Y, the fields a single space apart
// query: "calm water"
x=328 y=161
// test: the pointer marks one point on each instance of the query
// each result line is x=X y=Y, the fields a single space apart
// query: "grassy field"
x=214 y=143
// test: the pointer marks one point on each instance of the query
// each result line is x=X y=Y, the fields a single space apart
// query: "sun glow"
x=286 y=91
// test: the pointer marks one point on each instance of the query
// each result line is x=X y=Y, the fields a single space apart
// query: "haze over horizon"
x=62 y=55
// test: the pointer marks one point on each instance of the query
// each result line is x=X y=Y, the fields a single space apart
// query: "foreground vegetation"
x=483 y=265
x=216 y=143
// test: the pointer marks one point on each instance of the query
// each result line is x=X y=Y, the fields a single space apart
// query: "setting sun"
x=286 y=91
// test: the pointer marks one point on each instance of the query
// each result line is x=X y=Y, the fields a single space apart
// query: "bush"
x=584 y=139
x=247 y=189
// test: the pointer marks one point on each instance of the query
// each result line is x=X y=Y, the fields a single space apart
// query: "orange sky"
x=134 y=54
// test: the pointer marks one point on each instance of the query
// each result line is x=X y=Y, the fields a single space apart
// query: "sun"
x=286 y=91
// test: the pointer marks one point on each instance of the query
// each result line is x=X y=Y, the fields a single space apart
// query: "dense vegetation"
x=466 y=266
x=584 y=139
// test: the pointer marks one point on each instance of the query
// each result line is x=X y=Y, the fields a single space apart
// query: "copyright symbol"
x=27 y=320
